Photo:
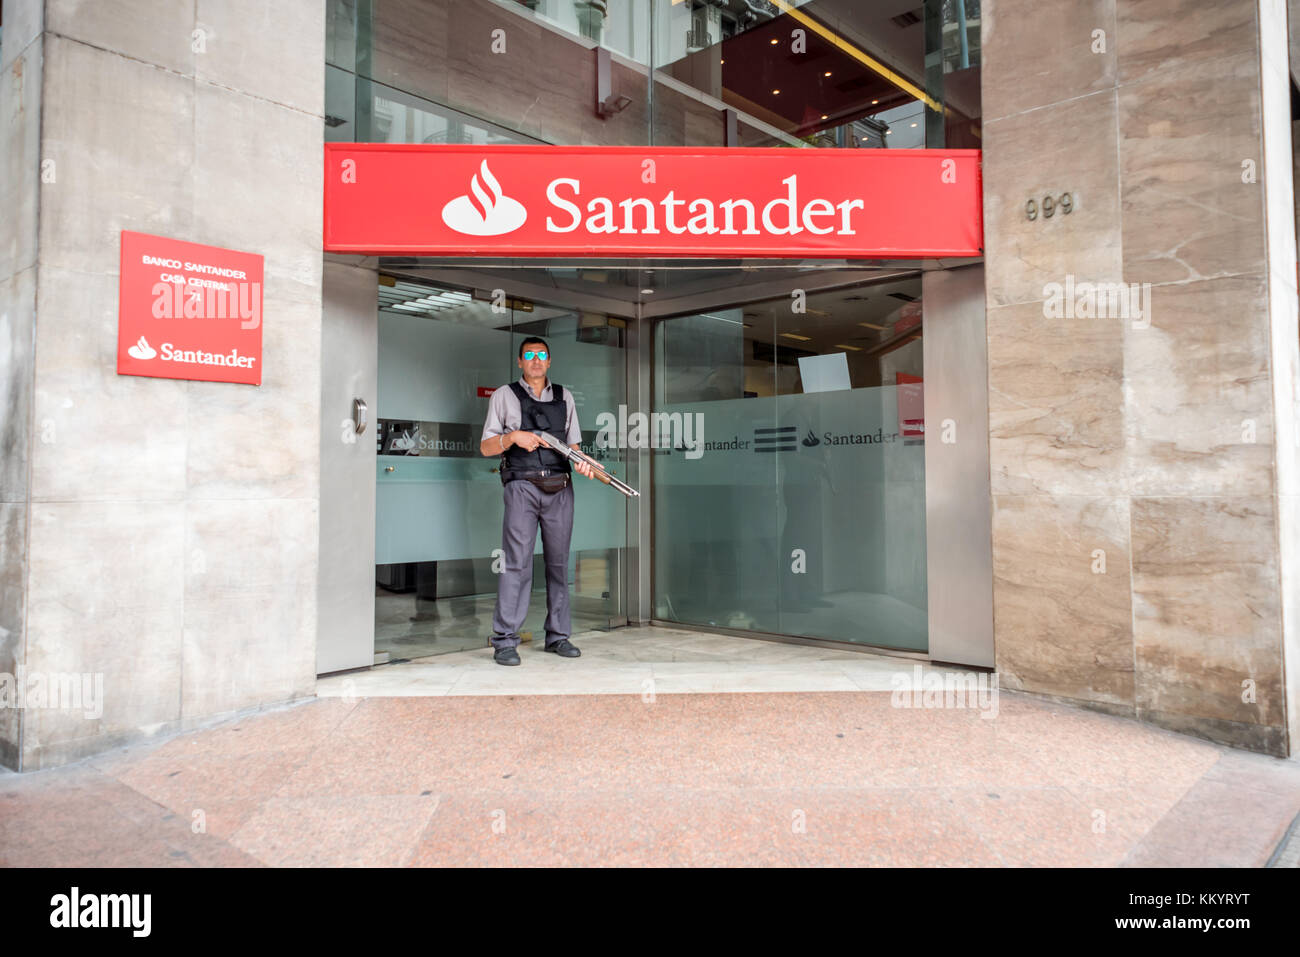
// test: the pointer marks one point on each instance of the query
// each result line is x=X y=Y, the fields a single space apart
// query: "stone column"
x=172 y=543
x=1142 y=459
x=20 y=126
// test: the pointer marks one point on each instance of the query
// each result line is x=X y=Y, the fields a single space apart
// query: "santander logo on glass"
x=484 y=214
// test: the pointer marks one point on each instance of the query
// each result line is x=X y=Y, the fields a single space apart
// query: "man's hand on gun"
x=525 y=440
x=585 y=465
x=530 y=442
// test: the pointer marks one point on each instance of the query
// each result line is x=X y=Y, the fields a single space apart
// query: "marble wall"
x=1138 y=460
x=173 y=525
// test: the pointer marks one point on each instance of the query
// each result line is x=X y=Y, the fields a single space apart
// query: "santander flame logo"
x=141 y=350
x=489 y=213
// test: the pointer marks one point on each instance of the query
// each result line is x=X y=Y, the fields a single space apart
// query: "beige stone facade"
x=1145 y=470
x=159 y=532
x=1163 y=444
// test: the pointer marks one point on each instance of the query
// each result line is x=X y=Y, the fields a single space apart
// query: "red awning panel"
x=652 y=202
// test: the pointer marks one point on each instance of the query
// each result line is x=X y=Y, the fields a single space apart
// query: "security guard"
x=537 y=492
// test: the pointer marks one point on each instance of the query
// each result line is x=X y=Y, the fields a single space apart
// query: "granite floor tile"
x=1256 y=771
x=84 y=819
x=1217 y=825
x=755 y=828
x=1034 y=827
x=512 y=778
x=220 y=790
x=356 y=831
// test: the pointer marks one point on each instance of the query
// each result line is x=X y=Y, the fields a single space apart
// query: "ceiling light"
x=790 y=7
x=870 y=325
x=825 y=117
x=840 y=345
x=775 y=42
x=913 y=124
x=874 y=102
x=791 y=335
x=827 y=73
x=776 y=92
x=647 y=292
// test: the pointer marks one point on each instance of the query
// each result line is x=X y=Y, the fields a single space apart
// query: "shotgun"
x=573 y=455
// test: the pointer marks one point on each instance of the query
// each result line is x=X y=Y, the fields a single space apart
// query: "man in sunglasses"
x=538 y=492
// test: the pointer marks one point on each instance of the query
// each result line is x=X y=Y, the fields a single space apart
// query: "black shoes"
x=564 y=648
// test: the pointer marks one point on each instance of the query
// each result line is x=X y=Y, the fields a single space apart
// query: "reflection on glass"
x=340 y=105
x=820 y=73
x=398 y=117
x=805 y=514
x=401 y=118
x=340 y=34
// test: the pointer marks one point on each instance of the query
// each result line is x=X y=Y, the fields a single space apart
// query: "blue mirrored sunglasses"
x=531 y=354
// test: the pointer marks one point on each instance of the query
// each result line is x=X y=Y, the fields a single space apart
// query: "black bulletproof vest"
x=537 y=416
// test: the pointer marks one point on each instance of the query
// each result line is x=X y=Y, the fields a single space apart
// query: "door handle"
x=359 y=411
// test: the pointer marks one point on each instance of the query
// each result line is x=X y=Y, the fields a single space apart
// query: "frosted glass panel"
x=805 y=513
x=824 y=537
x=853 y=500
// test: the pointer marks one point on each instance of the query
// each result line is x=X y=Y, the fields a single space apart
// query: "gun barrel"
x=573 y=455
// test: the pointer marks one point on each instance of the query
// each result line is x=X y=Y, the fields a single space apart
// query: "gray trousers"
x=528 y=507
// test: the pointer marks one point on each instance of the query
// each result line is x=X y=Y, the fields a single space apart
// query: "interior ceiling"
x=858 y=316
x=761 y=75
x=871 y=25
x=619 y=286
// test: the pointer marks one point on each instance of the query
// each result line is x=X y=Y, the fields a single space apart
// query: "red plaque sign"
x=651 y=202
x=188 y=311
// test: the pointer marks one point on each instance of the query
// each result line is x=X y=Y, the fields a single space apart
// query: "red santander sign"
x=189 y=311
x=652 y=202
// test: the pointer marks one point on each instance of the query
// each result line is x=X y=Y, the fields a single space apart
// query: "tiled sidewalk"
x=809 y=777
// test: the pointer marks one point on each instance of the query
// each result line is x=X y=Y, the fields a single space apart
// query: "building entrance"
x=772 y=415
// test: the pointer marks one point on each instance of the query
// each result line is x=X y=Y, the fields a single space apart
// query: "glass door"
x=801 y=511
x=443 y=349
